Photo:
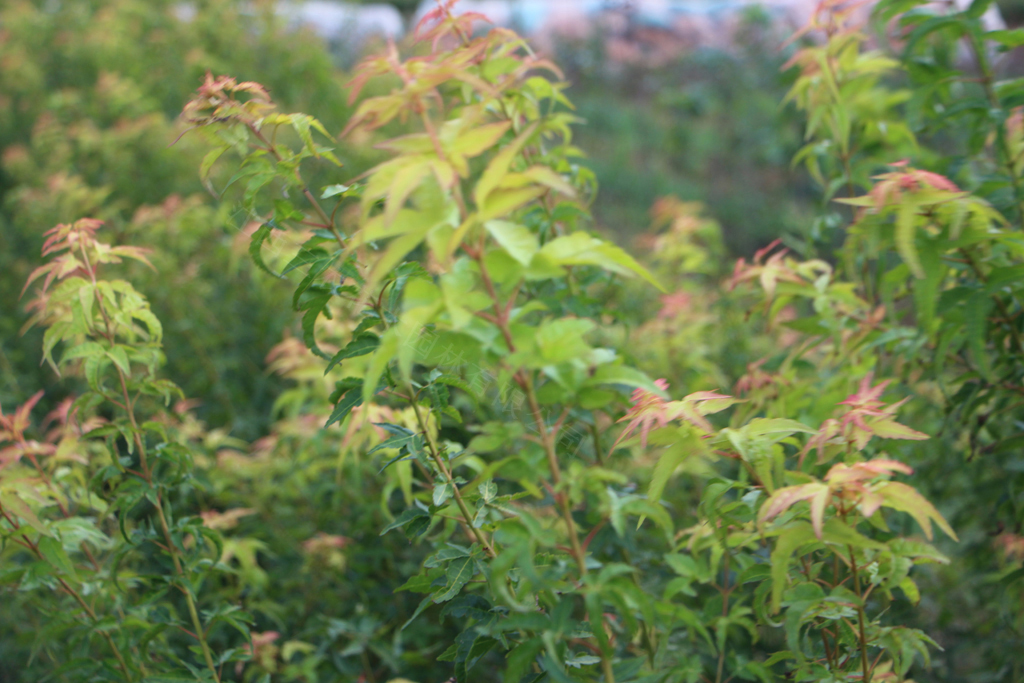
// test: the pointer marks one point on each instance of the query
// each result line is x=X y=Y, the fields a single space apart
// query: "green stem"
x=327 y=221
x=862 y=638
x=172 y=549
x=74 y=594
x=725 y=590
x=447 y=474
x=501 y=314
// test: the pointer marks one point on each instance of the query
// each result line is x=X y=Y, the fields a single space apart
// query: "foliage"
x=923 y=151
x=89 y=515
x=91 y=91
x=533 y=553
x=473 y=471
x=695 y=122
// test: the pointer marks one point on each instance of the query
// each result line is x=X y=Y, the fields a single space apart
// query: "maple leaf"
x=855 y=484
x=869 y=416
x=785 y=498
x=649 y=409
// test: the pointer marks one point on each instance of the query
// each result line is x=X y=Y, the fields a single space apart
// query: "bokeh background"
x=679 y=97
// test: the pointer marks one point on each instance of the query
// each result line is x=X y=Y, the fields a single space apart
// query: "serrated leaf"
x=13 y=503
x=458 y=574
x=209 y=160
x=906 y=232
x=626 y=376
x=794 y=536
x=520 y=243
x=899 y=496
x=498 y=167
x=406 y=517
x=976 y=327
x=349 y=400
x=256 y=247
x=581 y=249
x=359 y=346
x=53 y=550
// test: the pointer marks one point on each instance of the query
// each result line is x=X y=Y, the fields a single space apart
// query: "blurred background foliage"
x=90 y=91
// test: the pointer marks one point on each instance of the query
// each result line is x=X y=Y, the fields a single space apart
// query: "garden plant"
x=509 y=450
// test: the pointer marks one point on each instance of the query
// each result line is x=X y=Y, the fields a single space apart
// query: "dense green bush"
x=471 y=471
x=91 y=92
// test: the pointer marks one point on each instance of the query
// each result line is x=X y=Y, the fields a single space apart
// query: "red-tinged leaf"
x=867 y=396
x=375 y=112
x=694 y=407
x=35 y=274
x=786 y=497
x=10 y=454
x=375 y=65
x=906 y=499
x=648 y=409
x=21 y=415
x=818 y=504
x=870 y=502
x=864 y=471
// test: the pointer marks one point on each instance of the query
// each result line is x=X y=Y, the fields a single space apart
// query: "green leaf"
x=488 y=490
x=520 y=659
x=387 y=350
x=926 y=290
x=256 y=247
x=13 y=503
x=313 y=306
x=209 y=160
x=581 y=249
x=625 y=376
x=406 y=517
x=517 y=240
x=976 y=326
x=349 y=400
x=794 y=536
x=906 y=231
x=424 y=604
x=839 y=533
x=53 y=550
x=334 y=191
x=498 y=167
x=978 y=8
x=120 y=358
x=458 y=574
x=689 y=444
x=443 y=492
x=899 y=496
x=359 y=346
x=1007 y=38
